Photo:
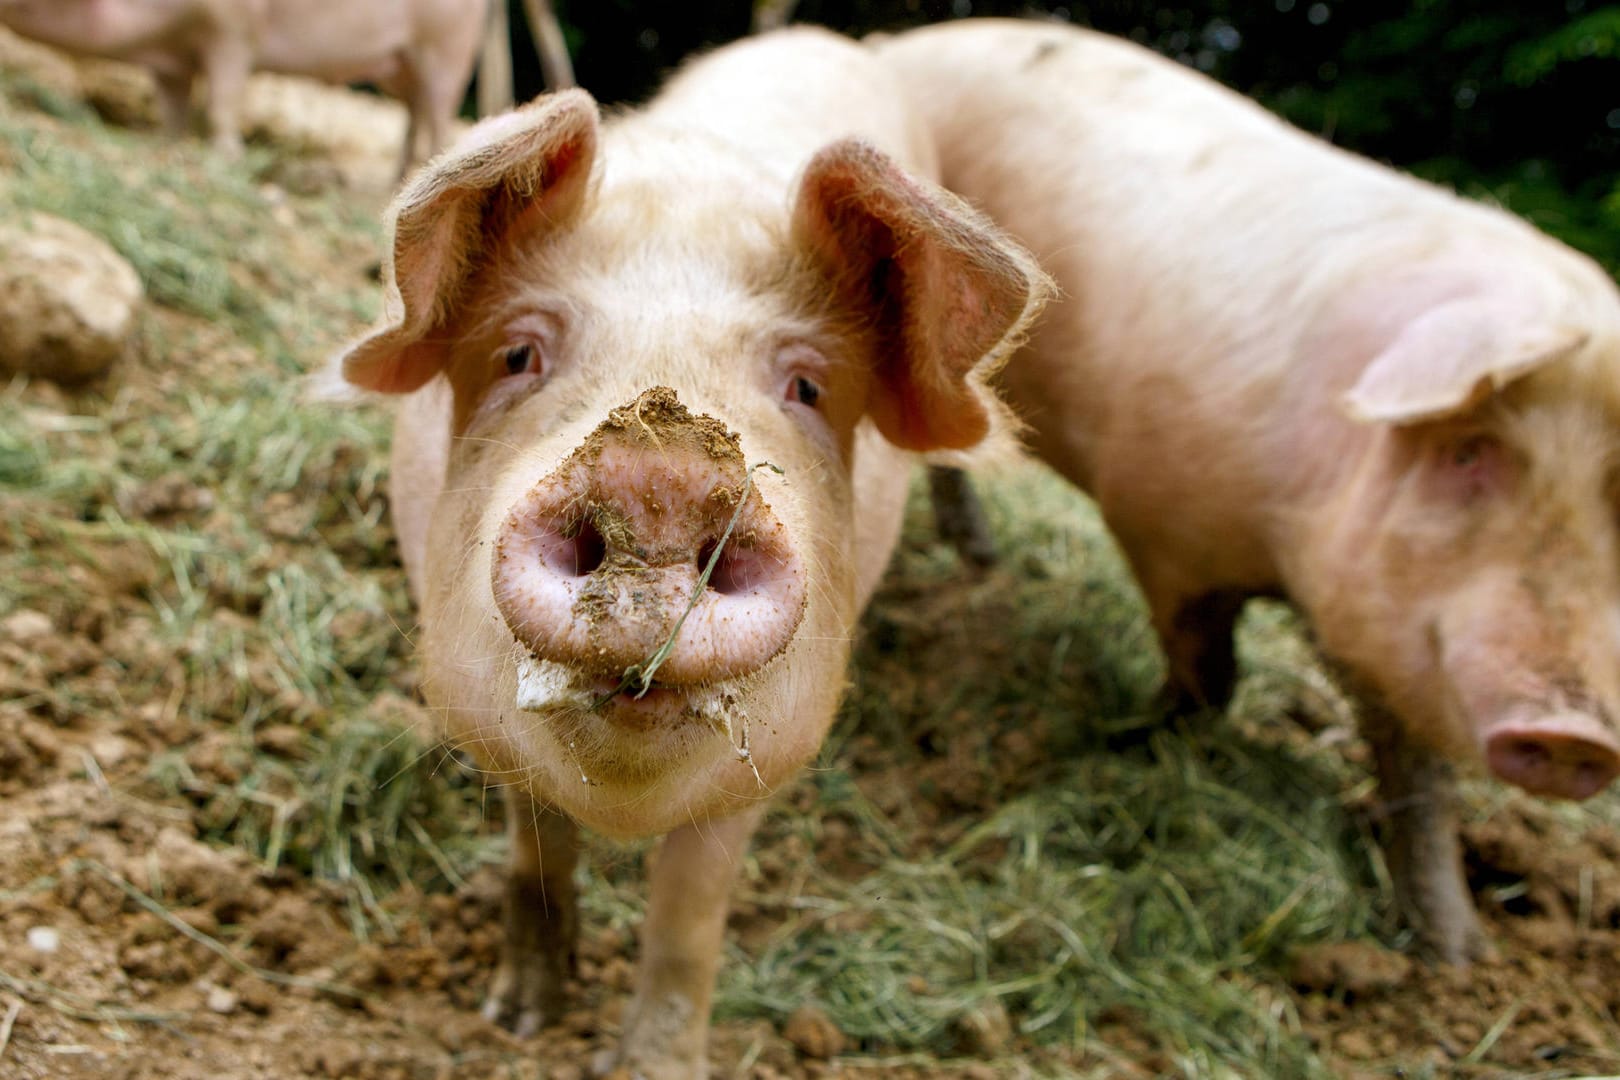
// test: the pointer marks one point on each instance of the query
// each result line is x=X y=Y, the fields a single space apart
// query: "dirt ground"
x=128 y=948
x=133 y=945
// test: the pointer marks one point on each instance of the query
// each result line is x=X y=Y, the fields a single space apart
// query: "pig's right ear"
x=510 y=175
x=1453 y=357
x=947 y=294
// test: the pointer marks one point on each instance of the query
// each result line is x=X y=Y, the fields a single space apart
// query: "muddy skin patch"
x=554 y=692
x=658 y=419
x=657 y=423
x=640 y=674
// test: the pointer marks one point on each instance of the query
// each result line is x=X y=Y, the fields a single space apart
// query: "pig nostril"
x=575 y=550
x=737 y=571
x=1531 y=754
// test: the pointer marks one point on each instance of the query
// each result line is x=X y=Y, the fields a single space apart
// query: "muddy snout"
x=1568 y=755
x=596 y=566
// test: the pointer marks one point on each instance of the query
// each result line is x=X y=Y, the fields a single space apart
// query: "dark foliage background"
x=1518 y=100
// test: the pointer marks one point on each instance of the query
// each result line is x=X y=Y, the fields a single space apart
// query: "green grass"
x=279 y=602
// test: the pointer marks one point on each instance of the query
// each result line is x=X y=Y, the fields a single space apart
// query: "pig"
x=1281 y=369
x=419 y=51
x=663 y=378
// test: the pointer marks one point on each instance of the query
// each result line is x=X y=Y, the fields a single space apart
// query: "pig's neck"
x=1311 y=467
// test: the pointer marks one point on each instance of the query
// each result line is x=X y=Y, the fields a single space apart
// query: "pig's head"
x=640 y=587
x=1468 y=569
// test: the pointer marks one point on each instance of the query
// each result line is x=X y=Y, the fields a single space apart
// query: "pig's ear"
x=947 y=294
x=510 y=175
x=1453 y=357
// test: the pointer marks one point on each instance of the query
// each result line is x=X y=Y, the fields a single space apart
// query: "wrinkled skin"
x=419 y=51
x=1284 y=370
x=603 y=331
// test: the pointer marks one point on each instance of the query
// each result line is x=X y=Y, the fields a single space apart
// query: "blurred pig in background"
x=1283 y=369
x=419 y=51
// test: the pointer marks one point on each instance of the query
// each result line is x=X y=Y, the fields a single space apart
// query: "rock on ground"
x=67 y=299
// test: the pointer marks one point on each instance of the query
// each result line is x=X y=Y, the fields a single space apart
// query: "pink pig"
x=697 y=340
x=419 y=51
x=1280 y=368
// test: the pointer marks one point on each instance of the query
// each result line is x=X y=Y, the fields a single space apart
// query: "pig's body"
x=1282 y=369
x=605 y=334
x=419 y=51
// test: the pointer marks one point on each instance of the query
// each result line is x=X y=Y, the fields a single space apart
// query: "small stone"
x=813 y=1033
x=43 y=939
x=1356 y=1045
x=222 y=1000
x=1350 y=967
x=26 y=626
x=285 y=515
x=985 y=1030
x=284 y=739
x=67 y=299
x=109 y=749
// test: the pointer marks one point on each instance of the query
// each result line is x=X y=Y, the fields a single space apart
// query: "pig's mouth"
x=545 y=687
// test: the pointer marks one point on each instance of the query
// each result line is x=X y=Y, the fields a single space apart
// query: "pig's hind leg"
x=173 y=81
x=541 y=918
x=1420 y=841
x=959 y=517
x=1195 y=630
x=227 y=61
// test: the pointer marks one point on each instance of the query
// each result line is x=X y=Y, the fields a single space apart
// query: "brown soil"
x=129 y=948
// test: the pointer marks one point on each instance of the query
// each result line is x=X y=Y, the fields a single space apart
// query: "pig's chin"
x=622 y=738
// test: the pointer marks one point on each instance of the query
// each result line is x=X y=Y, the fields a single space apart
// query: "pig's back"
x=1135 y=183
x=1195 y=238
x=786 y=94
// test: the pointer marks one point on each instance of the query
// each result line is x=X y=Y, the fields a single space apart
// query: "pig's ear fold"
x=1453 y=357
x=510 y=175
x=946 y=293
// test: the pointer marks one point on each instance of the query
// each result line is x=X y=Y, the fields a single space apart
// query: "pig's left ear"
x=512 y=174
x=1450 y=359
x=947 y=294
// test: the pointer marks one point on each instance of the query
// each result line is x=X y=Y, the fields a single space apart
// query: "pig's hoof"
x=1460 y=945
x=620 y=1064
x=522 y=1003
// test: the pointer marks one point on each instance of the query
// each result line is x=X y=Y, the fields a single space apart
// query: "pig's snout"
x=1567 y=755
x=595 y=566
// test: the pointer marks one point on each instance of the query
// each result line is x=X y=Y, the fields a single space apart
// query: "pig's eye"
x=1469 y=453
x=804 y=391
x=1475 y=465
x=522 y=359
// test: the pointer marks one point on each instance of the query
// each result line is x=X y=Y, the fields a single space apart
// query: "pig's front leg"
x=666 y=1027
x=227 y=61
x=1420 y=842
x=542 y=923
x=174 y=97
